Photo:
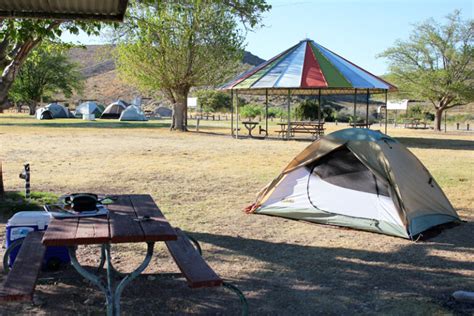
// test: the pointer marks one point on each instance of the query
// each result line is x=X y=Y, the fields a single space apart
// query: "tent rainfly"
x=89 y=107
x=307 y=68
x=132 y=113
x=358 y=178
x=53 y=110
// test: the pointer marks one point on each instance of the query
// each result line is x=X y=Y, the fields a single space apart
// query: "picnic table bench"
x=415 y=123
x=315 y=128
x=131 y=219
x=361 y=124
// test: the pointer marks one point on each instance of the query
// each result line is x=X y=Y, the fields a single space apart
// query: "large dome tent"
x=361 y=179
x=53 y=110
x=132 y=113
x=114 y=109
x=89 y=107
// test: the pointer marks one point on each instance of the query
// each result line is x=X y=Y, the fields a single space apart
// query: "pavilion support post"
x=386 y=112
x=266 y=112
x=354 y=118
x=236 y=115
x=289 y=116
x=319 y=106
x=367 y=110
x=232 y=113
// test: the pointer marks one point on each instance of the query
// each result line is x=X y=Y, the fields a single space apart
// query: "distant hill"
x=102 y=82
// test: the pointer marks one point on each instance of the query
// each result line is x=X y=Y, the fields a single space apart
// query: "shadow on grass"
x=433 y=143
x=336 y=281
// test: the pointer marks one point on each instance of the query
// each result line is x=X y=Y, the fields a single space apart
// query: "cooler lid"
x=30 y=218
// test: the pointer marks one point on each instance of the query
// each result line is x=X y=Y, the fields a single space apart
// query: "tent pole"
x=319 y=106
x=289 y=119
x=266 y=112
x=354 y=118
x=232 y=113
x=236 y=115
x=367 y=110
x=386 y=112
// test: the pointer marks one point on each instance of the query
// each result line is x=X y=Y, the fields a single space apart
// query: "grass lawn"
x=202 y=182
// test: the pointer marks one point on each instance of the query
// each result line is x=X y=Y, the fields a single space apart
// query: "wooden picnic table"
x=249 y=125
x=315 y=128
x=415 y=123
x=361 y=124
x=131 y=219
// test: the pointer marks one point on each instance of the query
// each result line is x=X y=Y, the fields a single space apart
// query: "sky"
x=357 y=30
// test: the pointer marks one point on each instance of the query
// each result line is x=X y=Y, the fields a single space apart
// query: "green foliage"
x=214 y=101
x=251 y=111
x=276 y=112
x=172 y=46
x=307 y=110
x=436 y=62
x=14 y=202
x=46 y=71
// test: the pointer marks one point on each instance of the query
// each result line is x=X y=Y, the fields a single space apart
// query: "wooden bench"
x=195 y=269
x=193 y=266
x=21 y=280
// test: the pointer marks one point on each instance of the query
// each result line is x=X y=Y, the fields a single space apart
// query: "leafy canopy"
x=47 y=71
x=436 y=62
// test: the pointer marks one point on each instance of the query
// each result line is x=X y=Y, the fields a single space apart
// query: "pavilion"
x=306 y=68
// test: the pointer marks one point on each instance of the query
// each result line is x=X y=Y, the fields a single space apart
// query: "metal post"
x=367 y=110
x=232 y=113
x=354 y=118
x=26 y=176
x=2 y=189
x=236 y=115
x=289 y=118
x=319 y=107
x=386 y=112
x=266 y=112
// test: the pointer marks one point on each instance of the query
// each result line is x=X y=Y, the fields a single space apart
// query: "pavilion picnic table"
x=315 y=128
x=249 y=125
x=415 y=124
x=131 y=219
x=361 y=124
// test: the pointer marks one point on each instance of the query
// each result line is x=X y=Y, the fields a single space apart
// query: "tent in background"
x=53 y=110
x=114 y=109
x=89 y=107
x=132 y=113
x=358 y=178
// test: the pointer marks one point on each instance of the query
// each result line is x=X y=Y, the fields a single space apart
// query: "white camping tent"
x=87 y=108
x=114 y=110
x=132 y=113
x=53 y=110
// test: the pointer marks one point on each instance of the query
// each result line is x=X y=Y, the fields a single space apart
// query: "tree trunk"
x=32 y=106
x=179 y=113
x=438 y=119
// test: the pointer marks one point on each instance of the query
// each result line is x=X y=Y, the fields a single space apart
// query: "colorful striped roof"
x=304 y=68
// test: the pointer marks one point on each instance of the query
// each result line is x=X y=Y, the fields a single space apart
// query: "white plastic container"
x=20 y=224
x=88 y=117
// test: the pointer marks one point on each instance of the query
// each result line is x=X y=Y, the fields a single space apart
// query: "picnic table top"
x=250 y=122
x=125 y=223
x=302 y=123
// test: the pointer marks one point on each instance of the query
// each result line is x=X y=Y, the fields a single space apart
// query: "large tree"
x=436 y=63
x=18 y=38
x=171 y=46
x=47 y=71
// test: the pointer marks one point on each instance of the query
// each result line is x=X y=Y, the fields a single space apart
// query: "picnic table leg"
x=112 y=294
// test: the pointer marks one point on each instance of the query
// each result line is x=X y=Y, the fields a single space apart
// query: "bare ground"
x=202 y=183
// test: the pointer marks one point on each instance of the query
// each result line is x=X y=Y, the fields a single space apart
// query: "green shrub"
x=276 y=112
x=214 y=101
x=251 y=110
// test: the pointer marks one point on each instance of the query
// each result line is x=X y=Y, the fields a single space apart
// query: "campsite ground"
x=202 y=182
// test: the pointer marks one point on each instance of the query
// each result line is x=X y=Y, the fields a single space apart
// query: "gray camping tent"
x=53 y=110
x=164 y=111
x=89 y=107
x=358 y=178
x=114 y=109
x=132 y=113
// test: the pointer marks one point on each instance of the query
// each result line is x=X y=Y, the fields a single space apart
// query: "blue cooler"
x=20 y=224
